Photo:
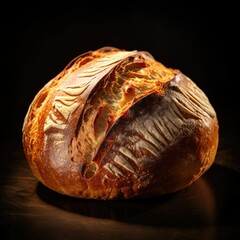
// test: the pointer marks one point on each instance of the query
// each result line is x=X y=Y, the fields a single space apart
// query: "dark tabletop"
x=208 y=209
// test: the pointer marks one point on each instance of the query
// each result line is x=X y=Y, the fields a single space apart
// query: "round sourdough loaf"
x=117 y=124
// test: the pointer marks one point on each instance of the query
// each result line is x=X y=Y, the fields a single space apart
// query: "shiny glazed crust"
x=118 y=124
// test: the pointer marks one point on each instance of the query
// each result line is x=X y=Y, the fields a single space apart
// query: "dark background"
x=199 y=39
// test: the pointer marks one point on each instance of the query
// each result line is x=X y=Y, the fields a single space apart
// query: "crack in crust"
x=130 y=81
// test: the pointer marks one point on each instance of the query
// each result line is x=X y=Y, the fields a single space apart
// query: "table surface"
x=208 y=209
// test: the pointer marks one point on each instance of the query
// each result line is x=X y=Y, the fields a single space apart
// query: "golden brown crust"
x=117 y=124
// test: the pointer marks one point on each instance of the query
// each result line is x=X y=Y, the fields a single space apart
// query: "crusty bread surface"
x=117 y=124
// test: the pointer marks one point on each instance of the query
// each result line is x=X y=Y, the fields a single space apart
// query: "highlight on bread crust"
x=117 y=124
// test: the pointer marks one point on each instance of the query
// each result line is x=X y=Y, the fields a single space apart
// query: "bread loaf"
x=117 y=124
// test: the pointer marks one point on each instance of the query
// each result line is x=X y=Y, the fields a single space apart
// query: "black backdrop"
x=200 y=40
